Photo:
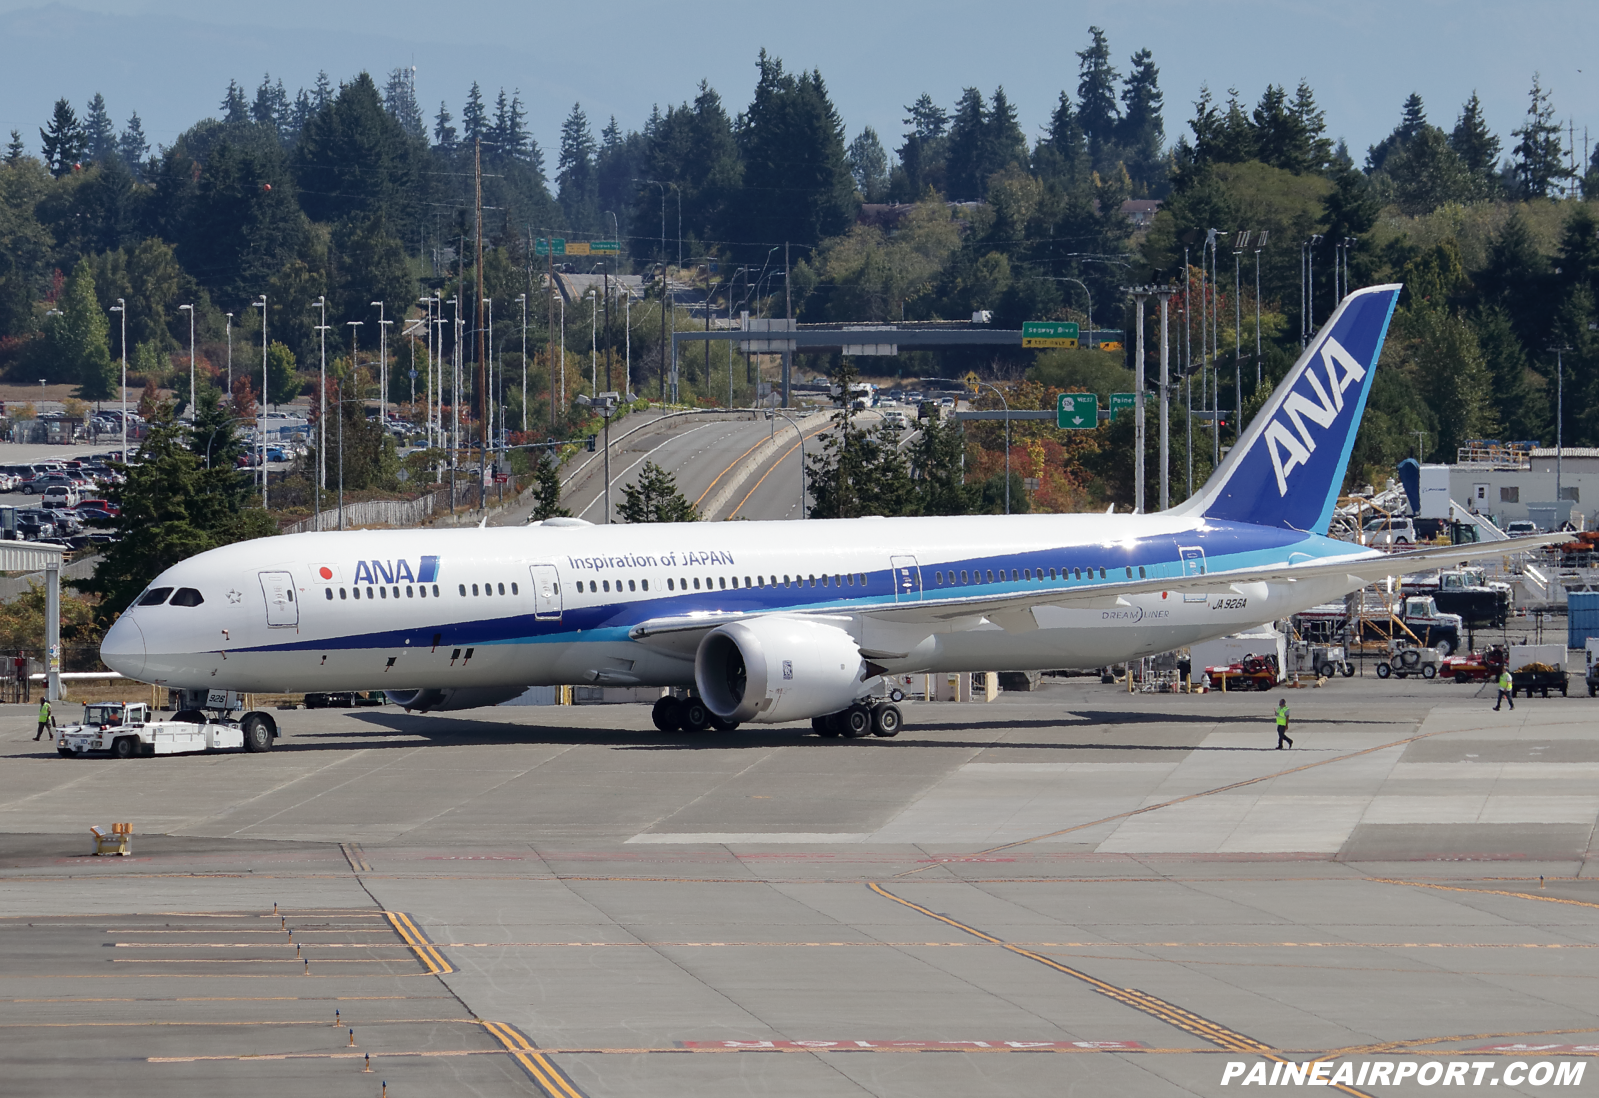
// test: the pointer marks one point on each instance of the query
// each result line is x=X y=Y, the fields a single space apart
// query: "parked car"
x=61 y=496
x=1521 y=528
x=93 y=515
x=1388 y=531
x=98 y=504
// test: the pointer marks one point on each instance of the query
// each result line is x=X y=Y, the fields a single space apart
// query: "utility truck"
x=124 y=730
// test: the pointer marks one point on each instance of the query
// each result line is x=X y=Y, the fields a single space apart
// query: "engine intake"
x=770 y=670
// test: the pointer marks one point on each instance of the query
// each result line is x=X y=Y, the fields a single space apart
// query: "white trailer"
x=124 y=730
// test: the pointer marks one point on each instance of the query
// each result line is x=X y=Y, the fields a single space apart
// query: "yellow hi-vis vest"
x=1282 y=716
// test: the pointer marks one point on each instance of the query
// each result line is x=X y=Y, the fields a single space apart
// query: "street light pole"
x=1140 y=295
x=230 y=355
x=122 y=307
x=322 y=398
x=192 y=395
x=1164 y=293
x=523 y=299
x=1006 y=405
x=790 y=421
x=383 y=366
x=260 y=409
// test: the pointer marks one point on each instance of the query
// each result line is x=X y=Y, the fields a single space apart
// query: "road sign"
x=542 y=246
x=1049 y=333
x=1077 y=412
x=578 y=247
x=972 y=381
x=1111 y=345
x=413 y=375
x=1030 y=483
x=1122 y=402
x=605 y=247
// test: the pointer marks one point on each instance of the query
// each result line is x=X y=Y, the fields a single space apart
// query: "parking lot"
x=1076 y=890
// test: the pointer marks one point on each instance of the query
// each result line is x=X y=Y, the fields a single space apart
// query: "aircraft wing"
x=1012 y=610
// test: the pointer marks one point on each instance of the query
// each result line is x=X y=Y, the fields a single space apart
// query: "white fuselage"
x=521 y=606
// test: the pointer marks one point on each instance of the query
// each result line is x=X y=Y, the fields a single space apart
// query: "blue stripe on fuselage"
x=1227 y=546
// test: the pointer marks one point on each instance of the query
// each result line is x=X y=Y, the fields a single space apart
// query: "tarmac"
x=1076 y=891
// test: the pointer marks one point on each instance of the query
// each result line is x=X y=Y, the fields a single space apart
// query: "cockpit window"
x=155 y=596
x=187 y=596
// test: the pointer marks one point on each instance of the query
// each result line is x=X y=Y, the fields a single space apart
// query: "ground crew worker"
x=1282 y=723
x=1506 y=693
x=45 y=720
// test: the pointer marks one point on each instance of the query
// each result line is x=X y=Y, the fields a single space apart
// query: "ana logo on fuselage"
x=396 y=571
x=1291 y=447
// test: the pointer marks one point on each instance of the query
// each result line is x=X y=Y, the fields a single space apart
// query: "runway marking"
x=536 y=1062
x=1030 y=945
x=1195 y=796
x=356 y=857
x=242 y=945
x=921 y=1046
x=248 y=960
x=1145 y=1003
x=425 y=951
x=1417 y=1042
x=319 y=1023
x=1486 y=892
x=719 y=1049
x=235 y=999
x=772 y=470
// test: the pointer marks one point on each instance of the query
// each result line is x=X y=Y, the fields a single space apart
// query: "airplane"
x=773 y=622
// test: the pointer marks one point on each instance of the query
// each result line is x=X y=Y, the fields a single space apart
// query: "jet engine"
x=452 y=697
x=770 y=670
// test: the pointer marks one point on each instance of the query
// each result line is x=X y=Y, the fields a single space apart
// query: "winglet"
x=1289 y=467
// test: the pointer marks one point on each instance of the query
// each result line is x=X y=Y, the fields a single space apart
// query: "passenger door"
x=1193 y=558
x=282 y=611
x=546 y=592
x=907 y=579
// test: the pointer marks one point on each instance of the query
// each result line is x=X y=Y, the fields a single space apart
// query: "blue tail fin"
x=1289 y=466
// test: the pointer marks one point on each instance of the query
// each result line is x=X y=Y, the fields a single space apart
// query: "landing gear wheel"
x=886 y=720
x=125 y=748
x=694 y=716
x=1429 y=672
x=1383 y=670
x=259 y=731
x=855 y=721
x=666 y=714
x=1349 y=670
x=723 y=726
x=824 y=726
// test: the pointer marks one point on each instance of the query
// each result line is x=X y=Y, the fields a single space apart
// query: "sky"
x=171 y=60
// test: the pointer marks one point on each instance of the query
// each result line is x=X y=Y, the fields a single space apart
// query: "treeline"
x=354 y=196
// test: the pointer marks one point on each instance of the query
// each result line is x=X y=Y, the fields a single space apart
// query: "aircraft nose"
x=123 y=647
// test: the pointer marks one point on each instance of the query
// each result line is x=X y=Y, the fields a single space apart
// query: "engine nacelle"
x=770 y=670
x=453 y=697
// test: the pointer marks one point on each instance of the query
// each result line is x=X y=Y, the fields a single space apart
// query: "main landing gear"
x=687 y=715
x=879 y=719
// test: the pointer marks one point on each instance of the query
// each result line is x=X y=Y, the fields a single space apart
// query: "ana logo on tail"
x=1291 y=448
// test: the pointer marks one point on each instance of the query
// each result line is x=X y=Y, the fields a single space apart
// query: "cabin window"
x=747 y=582
x=188 y=596
x=156 y=596
x=863 y=579
x=396 y=592
x=630 y=587
x=502 y=588
x=671 y=585
x=964 y=578
x=696 y=583
x=607 y=586
x=813 y=581
x=1101 y=573
x=341 y=593
x=1013 y=575
x=721 y=582
x=474 y=590
x=514 y=589
x=463 y=590
x=683 y=583
x=408 y=593
x=1051 y=573
x=825 y=582
x=1027 y=574
x=1129 y=571
x=645 y=584
x=785 y=579
x=1140 y=571
x=852 y=579
x=383 y=592
x=329 y=592
x=990 y=575
x=435 y=590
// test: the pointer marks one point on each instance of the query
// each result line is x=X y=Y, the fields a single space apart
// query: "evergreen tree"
x=927 y=120
x=299 y=116
x=355 y=160
x=235 y=111
x=500 y=129
x=1279 y=139
x=936 y=471
x=14 y=149
x=63 y=142
x=79 y=347
x=1414 y=117
x=133 y=147
x=579 y=190
x=1096 y=95
x=1517 y=390
x=1539 y=157
x=1141 y=132
x=474 y=116
x=655 y=497
x=1233 y=137
x=1063 y=139
x=1004 y=144
x=443 y=132
x=322 y=92
x=966 y=157
x=99 y=134
x=1473 y=142
x=921 y=157
x=796 y=182
x=1426 y=173
x=399 y=99
x=1517 y=278
x=547 y=491
x=271 y=106
x=857 y=472
x=1317 y=151
x=868 y=165
x=519 y=144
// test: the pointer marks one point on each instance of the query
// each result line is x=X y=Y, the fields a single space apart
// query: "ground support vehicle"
x=1593 y=666
x=1466 y=592
x=1250 y=673
x=1540 y=677
x=1323 y=660
x=1404 y=662
x=1431 y=627
x=124 y=730
x=1475 y=666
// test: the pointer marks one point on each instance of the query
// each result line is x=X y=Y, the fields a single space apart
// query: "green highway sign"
x=1122 y=402
x=1049 y=333
x=542 y=246
x=605 y=247
x=1077 y=412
